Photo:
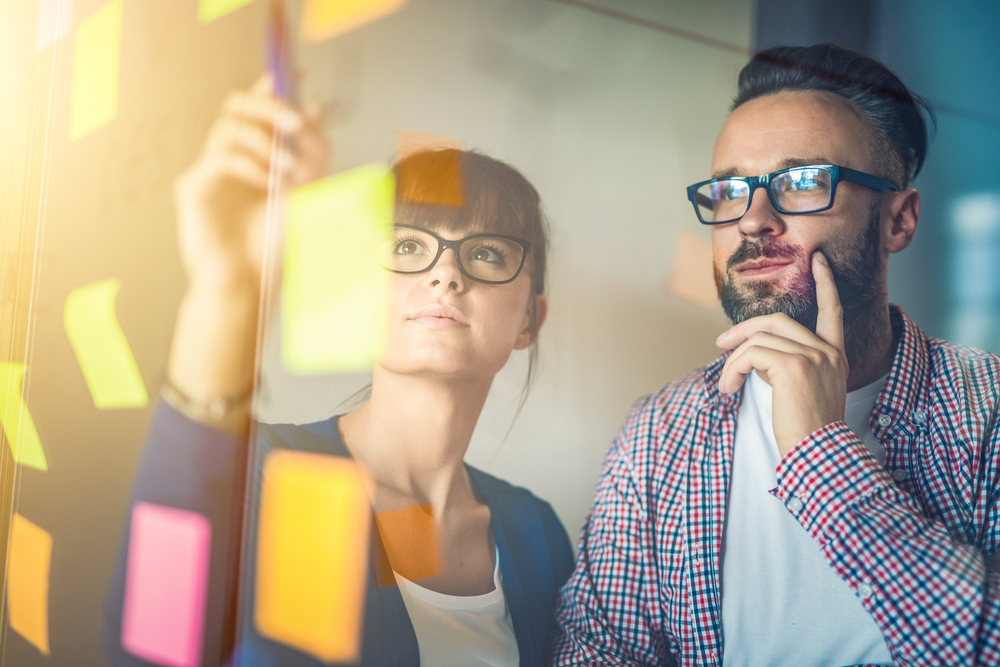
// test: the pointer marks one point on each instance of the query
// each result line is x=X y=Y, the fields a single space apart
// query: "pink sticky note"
x=166 y=585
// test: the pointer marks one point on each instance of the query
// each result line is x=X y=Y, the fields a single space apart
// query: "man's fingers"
x=830 y=319
x=753 y=358
x=778 y=324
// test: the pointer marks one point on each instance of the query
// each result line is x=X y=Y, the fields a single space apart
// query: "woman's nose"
x=447 y=272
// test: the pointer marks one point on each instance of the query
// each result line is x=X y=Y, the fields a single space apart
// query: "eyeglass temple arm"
x=867 y=180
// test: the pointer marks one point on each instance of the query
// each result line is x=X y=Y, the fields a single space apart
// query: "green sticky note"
x=209 y=10
x=101 y=348
x=22 y=436
x=334 y=293
x=96 y=58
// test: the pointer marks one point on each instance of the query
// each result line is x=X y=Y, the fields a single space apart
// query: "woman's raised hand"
x=222 y=203
x=221 y=199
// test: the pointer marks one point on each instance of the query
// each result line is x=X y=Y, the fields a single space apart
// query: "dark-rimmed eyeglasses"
x=794 y=191
x=486 y=258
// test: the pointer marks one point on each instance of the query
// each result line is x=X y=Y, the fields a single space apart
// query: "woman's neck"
x=411 y=437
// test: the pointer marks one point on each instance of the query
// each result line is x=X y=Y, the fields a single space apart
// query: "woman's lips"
x=440 y=316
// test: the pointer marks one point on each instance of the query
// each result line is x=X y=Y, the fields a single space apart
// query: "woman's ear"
x=529 y=333
x=904 y=209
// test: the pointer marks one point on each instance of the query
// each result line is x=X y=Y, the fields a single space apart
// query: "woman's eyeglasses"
x=487 y=258
x=795 y=191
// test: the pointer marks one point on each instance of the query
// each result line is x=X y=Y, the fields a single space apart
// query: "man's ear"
x=529 y=333
x=904 y=209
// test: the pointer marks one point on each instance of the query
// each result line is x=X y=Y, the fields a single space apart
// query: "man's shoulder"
x=961 y=372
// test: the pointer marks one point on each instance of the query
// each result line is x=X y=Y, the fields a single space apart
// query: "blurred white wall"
x=610 y=119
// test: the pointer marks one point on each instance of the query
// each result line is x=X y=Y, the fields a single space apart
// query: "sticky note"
x=28 y=562
x=409 y=539
x=209 y=10
x=312 y=554
x=334 y=293
x=323 y=19
x=96 y=58
x=101 y=348
x=166 y=585
x=691 y=276
x=431 y=177
x=408 y=143
x=55 y=17
x=22 y=436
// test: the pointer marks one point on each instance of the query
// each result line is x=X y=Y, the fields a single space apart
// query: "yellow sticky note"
x=28 y=582
x=101 y=348
x=691 y=277
x=334 y=293
x=323 y=19
x=209 y=10
x=312 y=554
x=96 y=59
x=22 y=436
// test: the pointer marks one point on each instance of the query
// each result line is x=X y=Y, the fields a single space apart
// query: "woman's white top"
x=461 y=630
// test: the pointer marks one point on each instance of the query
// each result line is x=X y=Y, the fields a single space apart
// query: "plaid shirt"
x=908 y=537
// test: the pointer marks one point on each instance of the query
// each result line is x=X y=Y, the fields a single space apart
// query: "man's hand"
x=808 y=371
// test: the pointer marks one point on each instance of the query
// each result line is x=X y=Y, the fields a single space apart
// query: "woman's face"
x=443 y=323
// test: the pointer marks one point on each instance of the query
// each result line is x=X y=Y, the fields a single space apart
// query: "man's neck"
x=870 y=344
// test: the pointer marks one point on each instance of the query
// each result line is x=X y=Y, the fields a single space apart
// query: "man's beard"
x=857 y=270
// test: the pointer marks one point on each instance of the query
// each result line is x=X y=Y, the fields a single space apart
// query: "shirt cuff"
x=825 y=474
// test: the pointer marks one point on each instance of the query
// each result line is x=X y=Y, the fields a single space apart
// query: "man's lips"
x=440 y=316
x=761 y=267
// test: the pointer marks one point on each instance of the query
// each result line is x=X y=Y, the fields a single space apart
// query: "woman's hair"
x=893 y=111
x=458 y=191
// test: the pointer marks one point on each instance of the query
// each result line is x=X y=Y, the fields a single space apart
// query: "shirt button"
x=899 y=474
x=795 y=505
x=865 y=591
x=884 y=420
x=919 y=416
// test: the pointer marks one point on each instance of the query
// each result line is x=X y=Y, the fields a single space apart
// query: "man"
x=826 y=492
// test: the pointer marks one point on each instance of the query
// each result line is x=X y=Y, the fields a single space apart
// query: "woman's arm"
x=196 y=459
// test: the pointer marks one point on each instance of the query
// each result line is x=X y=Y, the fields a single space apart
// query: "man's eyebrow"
x=787 y=163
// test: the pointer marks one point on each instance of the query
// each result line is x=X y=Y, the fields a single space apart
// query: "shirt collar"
x=904 y=388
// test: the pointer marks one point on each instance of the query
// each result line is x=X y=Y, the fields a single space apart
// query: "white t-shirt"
x=461 y=630
x=782 y=602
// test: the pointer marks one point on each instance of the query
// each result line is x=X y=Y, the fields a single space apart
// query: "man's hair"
x=894 y=112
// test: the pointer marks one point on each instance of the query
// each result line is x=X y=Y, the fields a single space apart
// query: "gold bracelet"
x=212 y=409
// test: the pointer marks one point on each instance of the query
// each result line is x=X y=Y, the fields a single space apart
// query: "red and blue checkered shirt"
x=910 y=537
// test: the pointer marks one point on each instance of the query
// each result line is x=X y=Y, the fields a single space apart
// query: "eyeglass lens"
x=486 y=258
x=802 y=190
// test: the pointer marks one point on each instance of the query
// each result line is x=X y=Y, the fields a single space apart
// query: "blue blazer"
x=190 y=466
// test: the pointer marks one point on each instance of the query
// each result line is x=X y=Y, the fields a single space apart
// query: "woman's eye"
x=408 y=248
x=484 y=254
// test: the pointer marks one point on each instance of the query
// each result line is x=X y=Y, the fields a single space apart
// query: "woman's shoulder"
x=321 y=437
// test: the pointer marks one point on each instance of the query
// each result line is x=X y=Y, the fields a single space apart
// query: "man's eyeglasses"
x=795 y=191
x=487 y=258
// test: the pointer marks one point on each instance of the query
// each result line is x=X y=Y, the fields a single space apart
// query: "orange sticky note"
x=431 y=177
x=312 y=554
x=409 y=539
x=408 y=143
x=323 y=19
x=18 y=426
x=28 y=582
x=691 y=276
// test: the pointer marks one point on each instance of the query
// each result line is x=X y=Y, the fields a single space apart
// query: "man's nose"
x=761 y=219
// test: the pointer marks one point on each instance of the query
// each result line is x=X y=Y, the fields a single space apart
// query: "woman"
x=457 y=311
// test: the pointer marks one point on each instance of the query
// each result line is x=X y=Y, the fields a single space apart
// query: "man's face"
x=763 y=261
